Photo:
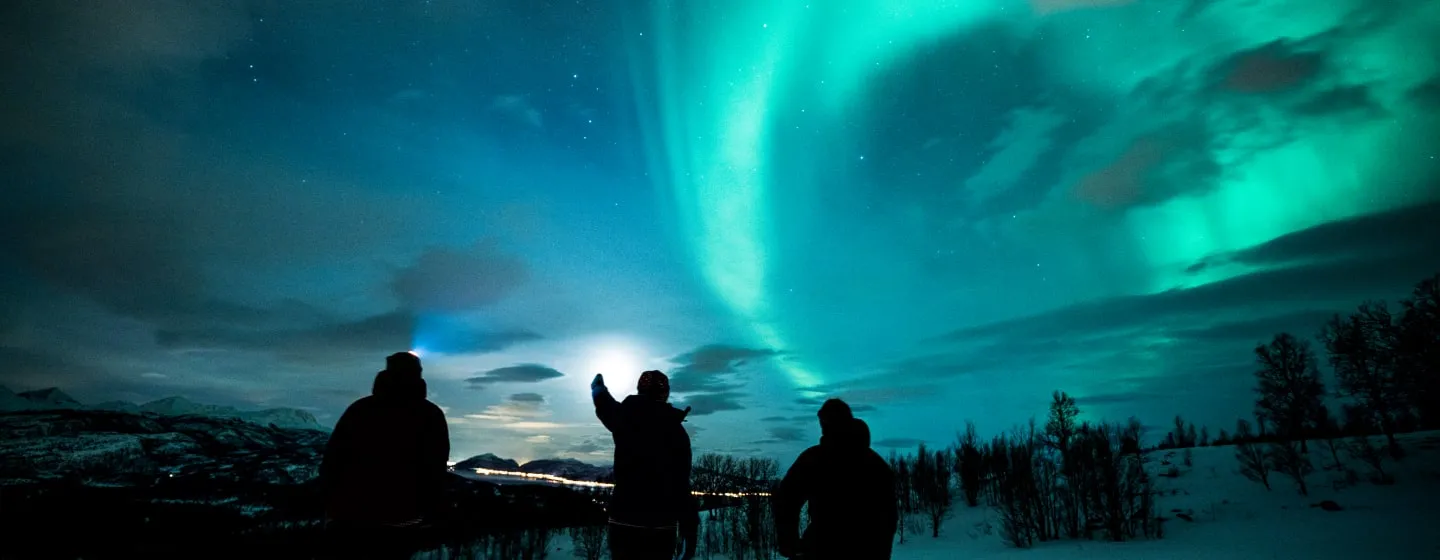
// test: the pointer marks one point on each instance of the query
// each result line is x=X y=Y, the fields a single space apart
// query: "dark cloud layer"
x=703 y=404
x=1336 y=262
x=704 y=368
x=523 y=373
x=450 y=279
x=1274 y=67
x=706 y=378
x=390 y=331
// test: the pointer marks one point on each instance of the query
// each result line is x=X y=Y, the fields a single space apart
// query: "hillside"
x=55 y=399
x=487 y=461
x=568 y=469
x=158 y=486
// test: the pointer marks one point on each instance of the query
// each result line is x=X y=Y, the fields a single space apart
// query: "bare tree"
x=932 y=487
x=1419 y=352
x=1363 y=449
x=588 y=541
x=1061 y=431
x=1361 y=350
x=904 y=493
x=1287 y=459
x=970 y=464
x=1254 y=462
x=1329 y=431
x=1062 y=423
x=1288 y=383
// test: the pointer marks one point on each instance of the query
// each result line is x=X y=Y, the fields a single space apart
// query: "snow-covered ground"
x=1236 y=519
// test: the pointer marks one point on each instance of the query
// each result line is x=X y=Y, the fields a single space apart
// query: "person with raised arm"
x=652 y=498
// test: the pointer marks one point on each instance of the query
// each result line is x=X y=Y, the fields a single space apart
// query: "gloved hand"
x=598 y=383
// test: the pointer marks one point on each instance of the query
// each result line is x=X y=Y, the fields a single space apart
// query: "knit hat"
x=403 y=363
x=655 y=385
x=834 y=409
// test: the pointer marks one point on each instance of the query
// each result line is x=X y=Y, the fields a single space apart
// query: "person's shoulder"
x=811 y=454
x=361 y=404
x=431 y=408
x=875 y=462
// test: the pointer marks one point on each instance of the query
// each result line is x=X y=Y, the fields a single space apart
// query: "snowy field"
x=1234 y=518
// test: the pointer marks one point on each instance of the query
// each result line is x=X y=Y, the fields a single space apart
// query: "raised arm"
x=606 y=408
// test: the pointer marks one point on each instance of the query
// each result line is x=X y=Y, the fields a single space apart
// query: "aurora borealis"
x=938 y=210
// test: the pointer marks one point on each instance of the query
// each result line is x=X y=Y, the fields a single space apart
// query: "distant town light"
x=592 y=484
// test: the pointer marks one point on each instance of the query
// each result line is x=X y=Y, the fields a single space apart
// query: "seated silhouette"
x=850 y=490
x=385 y=465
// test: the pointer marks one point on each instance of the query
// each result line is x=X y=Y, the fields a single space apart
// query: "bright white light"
x=620 y=359
x=415 y=352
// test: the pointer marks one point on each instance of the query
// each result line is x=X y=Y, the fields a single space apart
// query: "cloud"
x=1426 y=94
x=387 y=332
x=1397 y=234
x=592 y=446
x=519 y=108
x=1015 y=150
x=1273 y=67
x=153 y=375
x=523 y=373
x=702 y=404
x=1338 y=263
x=786 y=433
x=702 y=369
x=1155 y=167
x=541 y=438
x=520 y=415
x=444 y=279
x=527 y=398
x=1343 y=99
x=35 y=369
x=899 y=443
x=1052 y=6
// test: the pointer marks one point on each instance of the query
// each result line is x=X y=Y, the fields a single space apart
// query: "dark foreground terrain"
x=106 y=484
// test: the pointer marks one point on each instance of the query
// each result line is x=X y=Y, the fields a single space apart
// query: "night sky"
x=938 y=210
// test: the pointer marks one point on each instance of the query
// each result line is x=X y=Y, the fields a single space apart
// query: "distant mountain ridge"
x=488 y=461
x=54 y=399
x=571 y=469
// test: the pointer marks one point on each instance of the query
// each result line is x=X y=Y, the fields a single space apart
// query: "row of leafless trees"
x=736 y=528
x=1386 y=366
x=1069 y=479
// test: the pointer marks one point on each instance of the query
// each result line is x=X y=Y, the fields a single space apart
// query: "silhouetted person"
x=850 y=489
x=652 y=471
x=385 y=465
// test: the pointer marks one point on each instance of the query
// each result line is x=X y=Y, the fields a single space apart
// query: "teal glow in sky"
x=938 y=210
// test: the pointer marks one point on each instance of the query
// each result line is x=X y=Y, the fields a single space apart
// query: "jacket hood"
x=398 y=385
x=853 y=432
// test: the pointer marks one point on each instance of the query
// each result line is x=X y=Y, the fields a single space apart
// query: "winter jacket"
x=386 y=461
x=851 y=492
x=652 y=462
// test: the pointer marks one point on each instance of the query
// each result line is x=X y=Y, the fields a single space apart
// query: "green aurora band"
x=714 y=78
